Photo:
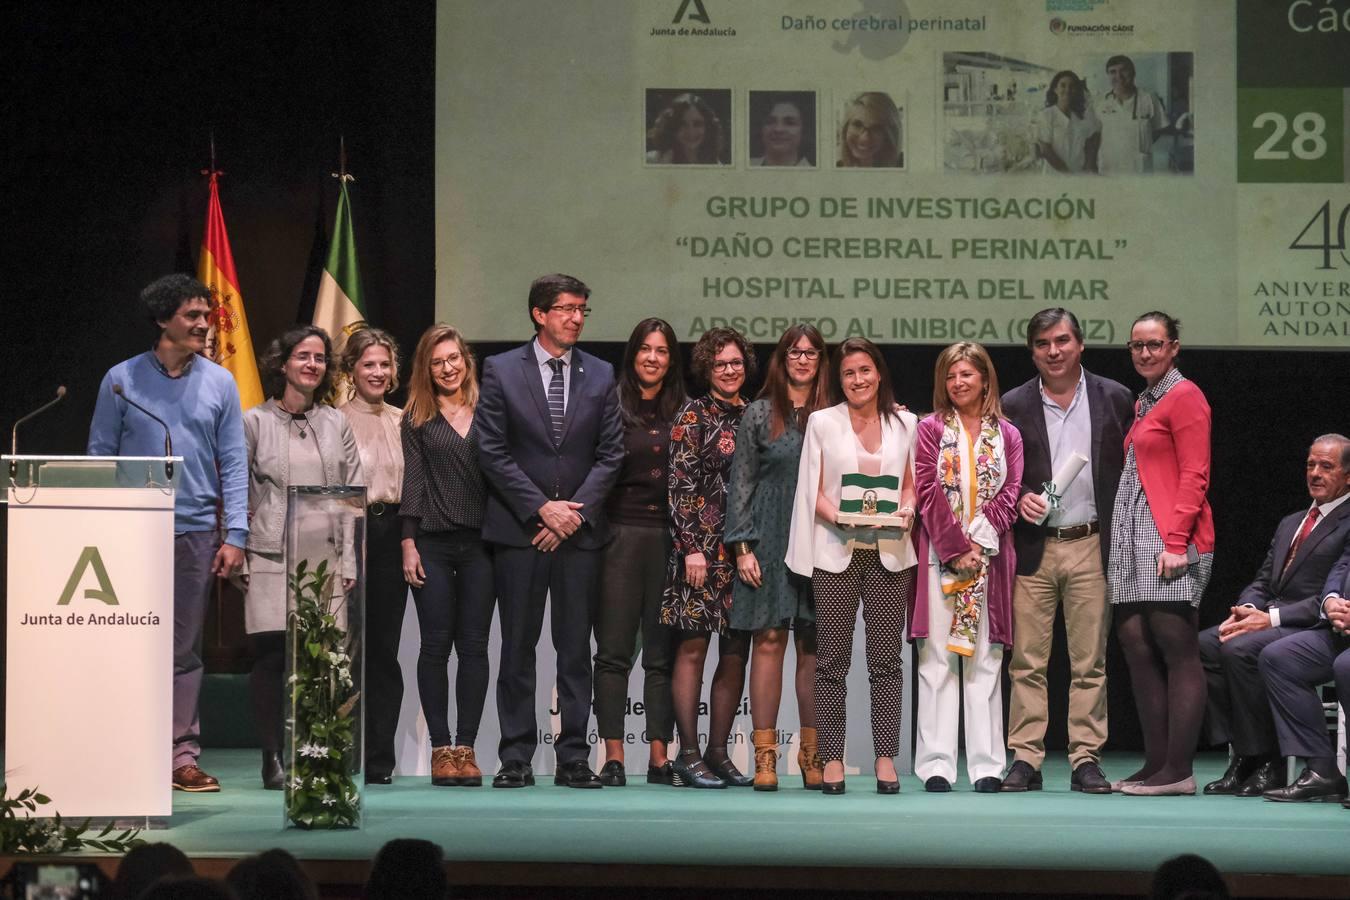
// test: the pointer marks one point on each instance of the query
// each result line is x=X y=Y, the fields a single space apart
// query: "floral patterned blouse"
x=702 y=444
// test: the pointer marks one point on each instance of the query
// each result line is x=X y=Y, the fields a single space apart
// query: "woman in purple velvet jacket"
x=968 y=467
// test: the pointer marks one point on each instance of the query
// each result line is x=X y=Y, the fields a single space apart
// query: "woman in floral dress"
x=702 y=570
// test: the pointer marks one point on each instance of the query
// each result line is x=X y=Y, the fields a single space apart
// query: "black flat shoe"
x=937 y=785
x=727 y=771
x=1310 y=787
x=832 y=788
x=888 y=787
x=612 y=774
x=987 y=785
x=514 y=774
x=661 y=774
x=1268 y=777
x=273 y=775
x=577 y=774
x=689 y=770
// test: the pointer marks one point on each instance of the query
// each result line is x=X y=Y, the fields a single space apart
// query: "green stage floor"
x=641 y=825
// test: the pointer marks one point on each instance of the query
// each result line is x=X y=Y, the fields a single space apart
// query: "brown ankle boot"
x=766 y=758
x=444 y=767
x=808 y=759
x=469 y=773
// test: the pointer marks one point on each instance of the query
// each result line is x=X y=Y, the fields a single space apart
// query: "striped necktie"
x=1309 y=523
x=555 y=398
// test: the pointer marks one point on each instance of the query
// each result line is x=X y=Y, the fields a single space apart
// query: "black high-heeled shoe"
x=689 y=770
x=888 y=787
x=832 y=788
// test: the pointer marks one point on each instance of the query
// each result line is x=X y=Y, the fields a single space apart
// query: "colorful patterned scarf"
x=970 y=477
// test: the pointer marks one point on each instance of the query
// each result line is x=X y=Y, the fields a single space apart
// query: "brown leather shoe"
x=808 y=759
x=469 y=773
x=445 y=767
x=766 y=758
x=192 y=779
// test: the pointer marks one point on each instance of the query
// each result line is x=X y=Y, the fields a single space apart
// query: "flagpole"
x=213 y=172
x=342 y=174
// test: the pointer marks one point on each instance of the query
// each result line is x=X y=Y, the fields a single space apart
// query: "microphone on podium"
x=168 y=440
x=14 y=434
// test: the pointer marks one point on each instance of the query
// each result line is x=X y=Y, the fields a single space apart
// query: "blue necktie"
x=555 y=398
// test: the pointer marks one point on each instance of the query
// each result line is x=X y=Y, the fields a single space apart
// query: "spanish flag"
x=229 y=343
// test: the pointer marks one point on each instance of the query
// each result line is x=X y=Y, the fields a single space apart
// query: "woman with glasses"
x=968 y=468
x=1162 y=553
x=444 y=558
x=651 y=392
x=769 y=600
x=369 y=366
x=295 y=438
x=701 y=568
x=869 y=137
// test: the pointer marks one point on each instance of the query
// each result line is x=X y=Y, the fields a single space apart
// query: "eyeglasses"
x=445 y=363
x=571 y=310
x=317 y=358
x=1137 y=347
x=729 y=365
x=796 y=353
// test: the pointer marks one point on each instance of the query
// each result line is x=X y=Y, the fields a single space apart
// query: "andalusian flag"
x=339 y=309
x=869 y=494
x=229 y=343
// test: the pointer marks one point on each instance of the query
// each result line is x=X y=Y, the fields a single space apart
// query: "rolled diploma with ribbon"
x=1053 y=491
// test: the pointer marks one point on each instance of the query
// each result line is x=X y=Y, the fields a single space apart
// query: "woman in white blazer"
x=875 y=566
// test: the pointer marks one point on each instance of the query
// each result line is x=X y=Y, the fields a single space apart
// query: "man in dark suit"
x=1062 y=551
x=1284 y=600
x=1295 y=666
x=550 y=442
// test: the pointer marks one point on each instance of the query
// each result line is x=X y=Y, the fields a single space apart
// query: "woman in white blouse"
x=864 y=438
x=369 y=365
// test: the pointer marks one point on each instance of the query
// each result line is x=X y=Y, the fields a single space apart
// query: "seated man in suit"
x=1293 y=667
x=1284 y=600
x=550 y=442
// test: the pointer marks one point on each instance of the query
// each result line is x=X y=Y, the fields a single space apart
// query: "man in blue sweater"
x=200 y=403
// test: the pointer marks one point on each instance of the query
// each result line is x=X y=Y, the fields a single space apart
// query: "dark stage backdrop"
x=110 y=115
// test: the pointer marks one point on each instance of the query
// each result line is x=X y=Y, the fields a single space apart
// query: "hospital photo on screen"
x=1082 y=113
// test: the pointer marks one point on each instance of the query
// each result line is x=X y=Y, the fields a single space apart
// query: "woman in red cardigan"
x=1162 y=553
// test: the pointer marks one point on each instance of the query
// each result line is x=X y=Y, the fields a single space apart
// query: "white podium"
x=88 y=682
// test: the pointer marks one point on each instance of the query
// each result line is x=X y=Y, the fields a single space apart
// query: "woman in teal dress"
x=767 y=599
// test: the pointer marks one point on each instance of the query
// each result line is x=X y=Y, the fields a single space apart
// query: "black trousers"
x=454 y=611
x=633 y=579
x=527 y=578
x=1237 y=710
x=1292 y=669
x=386 y=601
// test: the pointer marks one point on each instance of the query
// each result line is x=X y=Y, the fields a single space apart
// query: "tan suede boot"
x=444 y=767
x=766 y=758
x=469 y=773
x=808 y=759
